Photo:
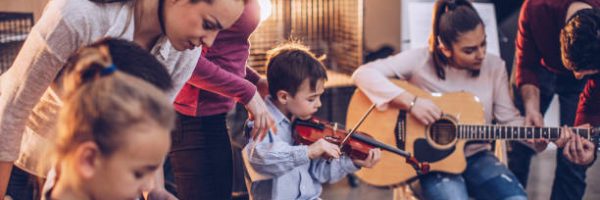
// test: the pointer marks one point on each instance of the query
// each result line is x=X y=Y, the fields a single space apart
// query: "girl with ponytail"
x=107 y=117
x=455 y=60
x=30 y=91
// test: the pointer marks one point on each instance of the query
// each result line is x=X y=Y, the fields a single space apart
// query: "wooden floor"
x=539 y=186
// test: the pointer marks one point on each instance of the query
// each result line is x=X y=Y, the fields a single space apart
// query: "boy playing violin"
x=296 y=81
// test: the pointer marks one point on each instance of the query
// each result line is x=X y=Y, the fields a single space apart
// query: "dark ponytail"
x=450 y=19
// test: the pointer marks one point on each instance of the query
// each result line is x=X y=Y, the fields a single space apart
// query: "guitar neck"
x=493 y=132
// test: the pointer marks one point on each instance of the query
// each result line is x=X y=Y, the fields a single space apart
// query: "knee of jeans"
x=505 y=186
x=445 y=187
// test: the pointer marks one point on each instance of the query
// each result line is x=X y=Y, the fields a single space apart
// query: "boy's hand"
x=371 y=160
x=322 y=148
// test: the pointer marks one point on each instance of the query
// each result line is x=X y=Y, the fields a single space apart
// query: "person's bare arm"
x=5 y=169
x=531 y=102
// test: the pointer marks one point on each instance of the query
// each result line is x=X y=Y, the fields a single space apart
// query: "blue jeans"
x=569 y=179
x=484 y=178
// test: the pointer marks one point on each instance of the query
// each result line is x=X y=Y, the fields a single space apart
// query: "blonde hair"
x=100 y=104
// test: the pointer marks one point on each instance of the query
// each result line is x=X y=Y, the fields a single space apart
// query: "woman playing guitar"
x=456 y=60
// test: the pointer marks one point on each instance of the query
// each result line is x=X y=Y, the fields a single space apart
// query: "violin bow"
x=362 y=119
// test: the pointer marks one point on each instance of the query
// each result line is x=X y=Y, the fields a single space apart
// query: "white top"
x=28 y=90
x=416 y=66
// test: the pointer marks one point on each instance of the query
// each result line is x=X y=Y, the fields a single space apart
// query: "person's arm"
x=38 y=63
x=211 y=77
x=262 y=85
x=275 y=157
x=331 y=171
x=531 y=101
x=252 y=75
x=528 y=64
x=373 y=79
x=5 y=170
x=504 y=108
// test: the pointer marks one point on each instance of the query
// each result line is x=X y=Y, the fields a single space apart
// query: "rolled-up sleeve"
x=326 y=171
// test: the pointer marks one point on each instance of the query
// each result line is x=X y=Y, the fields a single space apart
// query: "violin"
x=357 y=145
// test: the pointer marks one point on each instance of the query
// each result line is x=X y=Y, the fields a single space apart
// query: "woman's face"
x=192 y=24
x=468 y=51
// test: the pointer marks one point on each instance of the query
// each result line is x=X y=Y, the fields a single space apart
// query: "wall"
x=382 y=24
x=382 y=19
x=35 y=6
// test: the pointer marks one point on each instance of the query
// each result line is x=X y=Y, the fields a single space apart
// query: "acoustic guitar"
x=441 y=143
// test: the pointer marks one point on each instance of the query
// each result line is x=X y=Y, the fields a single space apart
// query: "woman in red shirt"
x=201 y=153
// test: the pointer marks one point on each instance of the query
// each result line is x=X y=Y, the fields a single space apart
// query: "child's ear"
x=283 y=97
x=87 y=157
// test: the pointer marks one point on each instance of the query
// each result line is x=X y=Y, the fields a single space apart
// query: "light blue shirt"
x=295 y=176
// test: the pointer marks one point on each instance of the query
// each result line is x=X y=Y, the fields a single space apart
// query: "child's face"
x=128 y=171
x=306 y=101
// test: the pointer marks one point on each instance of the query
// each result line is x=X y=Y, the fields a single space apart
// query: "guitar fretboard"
x=492 y=132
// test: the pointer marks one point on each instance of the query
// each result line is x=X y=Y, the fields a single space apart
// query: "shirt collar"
x=275 y=112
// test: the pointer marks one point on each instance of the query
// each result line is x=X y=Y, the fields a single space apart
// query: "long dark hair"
x=450 y=19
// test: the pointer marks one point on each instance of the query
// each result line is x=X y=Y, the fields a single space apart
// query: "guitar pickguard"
x=426 y=153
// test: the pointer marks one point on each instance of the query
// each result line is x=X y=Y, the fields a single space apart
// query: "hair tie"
x=108 y=70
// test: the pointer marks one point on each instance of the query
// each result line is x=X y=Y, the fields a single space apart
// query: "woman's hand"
x=258 y=112
x=422 y=109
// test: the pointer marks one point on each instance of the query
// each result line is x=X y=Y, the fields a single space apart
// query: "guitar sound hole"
x=442 y=132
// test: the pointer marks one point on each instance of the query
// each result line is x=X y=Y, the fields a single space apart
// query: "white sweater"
x=28 y=91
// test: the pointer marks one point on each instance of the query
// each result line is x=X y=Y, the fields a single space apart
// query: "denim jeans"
x=569 y=179
x=201 y=158
x=484 y=178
